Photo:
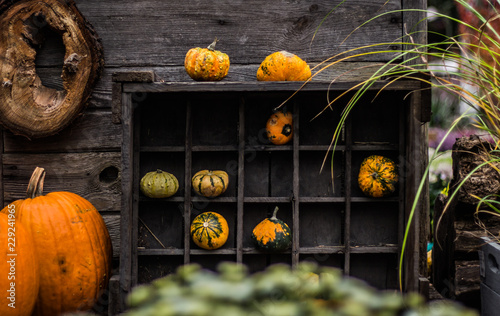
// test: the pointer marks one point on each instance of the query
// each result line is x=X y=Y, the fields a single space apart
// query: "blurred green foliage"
x=308 y=290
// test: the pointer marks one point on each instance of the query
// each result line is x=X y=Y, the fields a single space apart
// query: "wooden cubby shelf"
x=185 y=127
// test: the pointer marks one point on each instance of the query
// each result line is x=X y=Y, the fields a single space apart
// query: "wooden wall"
x=155 y=35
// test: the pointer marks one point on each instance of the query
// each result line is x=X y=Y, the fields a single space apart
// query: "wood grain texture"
x=94 y=176
x=159 y=33
x=467 y=277
x=92 y=131
x=102 y=93
x=28 y=107
x=113 y=225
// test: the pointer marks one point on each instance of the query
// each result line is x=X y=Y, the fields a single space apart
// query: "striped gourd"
x=209 y=230
x=159 y=184
x=210 y=183
x=378 y=176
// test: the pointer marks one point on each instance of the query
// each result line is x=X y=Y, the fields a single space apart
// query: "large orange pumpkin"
x=19 y=276
x=72 y=247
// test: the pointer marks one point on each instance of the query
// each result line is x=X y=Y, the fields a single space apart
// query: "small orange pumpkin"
x=72 y=247
x=19 y=273
x=279 y=127
x=206 y=64
x=283 y=66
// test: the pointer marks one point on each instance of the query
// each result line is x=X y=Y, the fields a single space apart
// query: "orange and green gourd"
x=19 y=272
x=71 y=245
x=272 y=234
x=210 y=183
x=378 y=176
x=206 y=64
x=279 y=127
x=159 y=184
x=209 y=230
x=283 y=66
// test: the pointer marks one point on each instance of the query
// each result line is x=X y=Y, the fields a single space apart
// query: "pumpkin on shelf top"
x=378 y=176
x=279 y=127
x=272 y=234
x=159 y=184
x=206 y=64
x=210 y=183
x=283 y=66
x=209 y=230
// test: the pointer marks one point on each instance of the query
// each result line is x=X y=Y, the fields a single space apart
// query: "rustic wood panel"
x=467 y=277
x=95 y=176
x=159 y=33
x=113 y=225
x=468 y=233
x=102 y=93
x=92 y=131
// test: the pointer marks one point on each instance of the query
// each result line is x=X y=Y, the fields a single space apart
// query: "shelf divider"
x=348 y=193
x=187 y=182
x=128 y=248
x=296 y=187
x=241 y=182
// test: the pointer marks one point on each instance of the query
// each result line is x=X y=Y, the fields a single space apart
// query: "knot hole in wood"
x=108 y=174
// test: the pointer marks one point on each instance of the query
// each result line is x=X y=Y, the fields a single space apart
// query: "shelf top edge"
x=261 y=86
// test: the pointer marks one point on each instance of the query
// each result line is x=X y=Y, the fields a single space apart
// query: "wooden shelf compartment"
x=185 y=127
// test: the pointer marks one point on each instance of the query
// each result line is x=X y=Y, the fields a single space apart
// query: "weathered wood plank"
x=113 y=225
x=443 y=268
x=134 y=76
x=116 y=103
x=102 y=93
x=285 y=86
x=469 y=232
x=95 y=176
x=159 y=33
x=92 y=131
x=466 y=277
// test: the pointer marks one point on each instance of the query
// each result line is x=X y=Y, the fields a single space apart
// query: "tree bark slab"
x=468 y=154
x=27 y=107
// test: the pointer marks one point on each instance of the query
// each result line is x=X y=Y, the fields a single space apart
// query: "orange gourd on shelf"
x=209 y=230
x=272 y=234
x=378 y=176
x=210 y=183
x=283 y=66
x=279 y=127
x=206 y=64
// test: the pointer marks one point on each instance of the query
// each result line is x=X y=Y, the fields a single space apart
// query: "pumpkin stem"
x=274 y=213
x=212 y=46
x=35 y=186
